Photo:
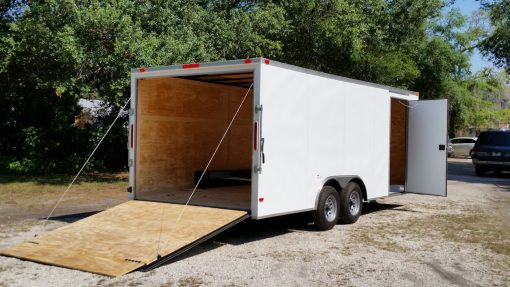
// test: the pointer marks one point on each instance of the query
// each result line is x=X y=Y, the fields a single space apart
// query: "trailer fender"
x=339 y=182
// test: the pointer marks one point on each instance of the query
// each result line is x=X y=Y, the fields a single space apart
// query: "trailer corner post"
x=258 y=141
x=132 y=140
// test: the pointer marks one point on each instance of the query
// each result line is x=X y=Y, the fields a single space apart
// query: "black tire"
x=326 y=215
x=480 y=170
x=351 y=203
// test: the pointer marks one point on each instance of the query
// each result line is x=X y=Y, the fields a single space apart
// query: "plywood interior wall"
x=179 y=124
x=398 y=143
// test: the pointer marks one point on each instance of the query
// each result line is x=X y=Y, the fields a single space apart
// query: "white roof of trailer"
x=246 y=65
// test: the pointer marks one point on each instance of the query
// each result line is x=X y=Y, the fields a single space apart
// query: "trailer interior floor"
x=231 y=197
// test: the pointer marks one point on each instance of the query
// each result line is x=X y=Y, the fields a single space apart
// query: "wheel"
x=326 y=215
x=351 y=203
x=480 y=170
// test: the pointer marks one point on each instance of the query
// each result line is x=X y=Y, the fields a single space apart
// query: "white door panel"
x=426 y=147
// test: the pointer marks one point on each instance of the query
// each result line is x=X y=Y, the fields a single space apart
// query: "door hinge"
x=258 y=108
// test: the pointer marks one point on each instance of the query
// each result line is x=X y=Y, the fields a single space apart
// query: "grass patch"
x=491 y=230
x=190 y=281
x=124 y=282
x=488 y=227
x=3 y=269
x=383 y=236
x=232 y=284
x=63 y=179
x=283 y=255
x=33 y=190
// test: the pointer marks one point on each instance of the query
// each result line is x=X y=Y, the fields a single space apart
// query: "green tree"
x=497 y=44
x=373 y=40
x=54 y=53
x=57 y=52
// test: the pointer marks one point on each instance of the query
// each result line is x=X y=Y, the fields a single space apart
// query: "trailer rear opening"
x=179 y=124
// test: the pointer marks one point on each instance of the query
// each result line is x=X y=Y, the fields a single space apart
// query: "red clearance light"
x=132 y=137
x=255 y=135
x=141 y=70
x=193 y=65
x=267 y=61
x=247 y=61
x=261 y=199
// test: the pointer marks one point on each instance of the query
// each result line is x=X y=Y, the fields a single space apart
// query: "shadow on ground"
x=255 y=230
x=465 y=171
x=376 y=206
x=70 y=218
x=467 y=168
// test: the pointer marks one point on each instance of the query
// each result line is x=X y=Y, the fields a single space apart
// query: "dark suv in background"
x=492 y=152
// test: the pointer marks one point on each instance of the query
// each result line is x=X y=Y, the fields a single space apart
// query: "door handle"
x=442 y=147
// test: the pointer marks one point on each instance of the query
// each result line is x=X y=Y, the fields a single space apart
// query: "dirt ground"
x=405 y=240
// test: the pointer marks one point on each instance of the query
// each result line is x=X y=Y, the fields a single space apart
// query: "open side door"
x=427 y=147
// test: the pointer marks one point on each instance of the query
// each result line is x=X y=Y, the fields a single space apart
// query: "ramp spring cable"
x=200 y=179
x=83 y=166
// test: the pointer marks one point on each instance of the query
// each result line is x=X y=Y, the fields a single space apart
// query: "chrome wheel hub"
x=330 y=209
x=354 y=203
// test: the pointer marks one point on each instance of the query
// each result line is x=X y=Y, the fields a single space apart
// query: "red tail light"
x=193 y=65
x=247 y=61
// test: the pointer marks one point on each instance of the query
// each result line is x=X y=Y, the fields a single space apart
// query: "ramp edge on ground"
x=124 y=238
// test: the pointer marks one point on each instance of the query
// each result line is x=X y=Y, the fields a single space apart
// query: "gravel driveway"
x=405 y=240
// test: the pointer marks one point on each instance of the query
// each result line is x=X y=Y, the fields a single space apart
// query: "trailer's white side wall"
x=314 y=128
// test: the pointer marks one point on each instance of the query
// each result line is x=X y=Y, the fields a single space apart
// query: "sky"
x=478 y=62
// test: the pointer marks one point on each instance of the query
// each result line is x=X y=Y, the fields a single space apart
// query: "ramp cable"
x=83 y=166
x=201 y=176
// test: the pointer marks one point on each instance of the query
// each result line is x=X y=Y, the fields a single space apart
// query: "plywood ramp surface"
x=123 y=238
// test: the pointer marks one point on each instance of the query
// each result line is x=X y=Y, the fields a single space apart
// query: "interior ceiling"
x=243 y=80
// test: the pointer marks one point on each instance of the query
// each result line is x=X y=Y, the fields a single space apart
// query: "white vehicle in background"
x=462 y=146
x=450 y=147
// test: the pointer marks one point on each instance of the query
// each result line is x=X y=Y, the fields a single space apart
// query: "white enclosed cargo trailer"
x=292 y=140
x=298 y=132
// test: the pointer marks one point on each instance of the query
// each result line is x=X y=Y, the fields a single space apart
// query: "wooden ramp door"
x=124 y=238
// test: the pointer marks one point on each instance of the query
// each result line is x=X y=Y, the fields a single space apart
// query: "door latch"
x=262 y=155
x=442 y=147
